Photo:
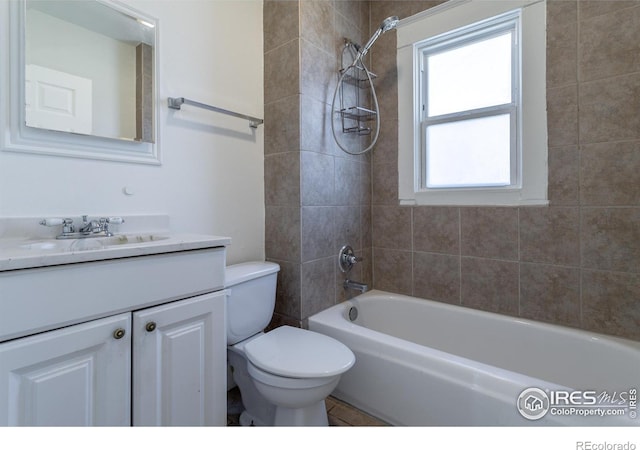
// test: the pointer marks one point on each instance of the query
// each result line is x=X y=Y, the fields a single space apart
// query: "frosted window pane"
x=473 y=76
x=474 y=152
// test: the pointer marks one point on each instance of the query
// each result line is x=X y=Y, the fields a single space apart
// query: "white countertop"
x=22 y=253
x=24 y=243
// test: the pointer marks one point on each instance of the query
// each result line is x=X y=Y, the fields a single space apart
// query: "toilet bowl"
x=283 y=375
x=296 y=402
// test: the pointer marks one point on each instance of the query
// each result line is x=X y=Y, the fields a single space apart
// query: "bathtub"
x=423 y=363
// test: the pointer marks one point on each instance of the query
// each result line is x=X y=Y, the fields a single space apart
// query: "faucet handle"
x=67 y=224
x=52 y=221
x=346 y=258
x=106 y=221
x=353 y=259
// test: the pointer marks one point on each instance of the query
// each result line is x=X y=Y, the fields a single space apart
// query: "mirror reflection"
x=88 y=70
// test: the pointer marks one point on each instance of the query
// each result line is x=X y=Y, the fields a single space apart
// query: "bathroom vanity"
x=127 y=331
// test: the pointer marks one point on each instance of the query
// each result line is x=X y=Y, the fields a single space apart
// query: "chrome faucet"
x=346 y=260
x=89 y=228
x=93 y=226
x=350 y=284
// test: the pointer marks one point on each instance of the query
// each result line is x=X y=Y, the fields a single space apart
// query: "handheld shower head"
x=387 y=24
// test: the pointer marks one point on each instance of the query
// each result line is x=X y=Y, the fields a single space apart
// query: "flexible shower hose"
x=375 y=105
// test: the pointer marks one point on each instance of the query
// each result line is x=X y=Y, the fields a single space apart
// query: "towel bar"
x=177 y=102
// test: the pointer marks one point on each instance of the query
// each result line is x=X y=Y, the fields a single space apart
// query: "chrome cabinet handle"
x=150 y=326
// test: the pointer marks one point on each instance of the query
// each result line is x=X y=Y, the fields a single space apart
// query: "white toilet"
x=283 y=375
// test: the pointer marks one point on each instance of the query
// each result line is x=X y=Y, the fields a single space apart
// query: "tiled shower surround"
x=575 y=262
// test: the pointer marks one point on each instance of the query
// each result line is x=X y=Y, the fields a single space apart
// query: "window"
x=466 y=133
x=469 y=107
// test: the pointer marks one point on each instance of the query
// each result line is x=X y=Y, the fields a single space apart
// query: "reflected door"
x=57 y=100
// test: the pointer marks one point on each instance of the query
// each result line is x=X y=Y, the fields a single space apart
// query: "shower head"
x=387 y=24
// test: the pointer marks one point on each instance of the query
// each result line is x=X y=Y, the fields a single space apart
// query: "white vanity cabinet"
x=136 y=340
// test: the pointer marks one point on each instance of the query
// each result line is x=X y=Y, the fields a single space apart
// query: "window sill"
x=473 y=197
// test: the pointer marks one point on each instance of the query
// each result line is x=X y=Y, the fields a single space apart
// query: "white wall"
x=211 y=177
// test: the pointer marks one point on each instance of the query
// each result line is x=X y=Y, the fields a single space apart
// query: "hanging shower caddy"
x=355 y=114
x=355 y=87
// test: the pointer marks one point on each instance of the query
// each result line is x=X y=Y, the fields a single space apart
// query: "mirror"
x=89 y=69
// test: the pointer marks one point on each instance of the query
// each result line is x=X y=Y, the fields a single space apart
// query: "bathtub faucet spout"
x=349 y=284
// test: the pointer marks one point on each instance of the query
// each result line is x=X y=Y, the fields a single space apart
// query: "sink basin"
x=44 y=246
x=86 y=244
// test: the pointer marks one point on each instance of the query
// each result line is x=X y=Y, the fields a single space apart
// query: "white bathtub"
x=420 y=362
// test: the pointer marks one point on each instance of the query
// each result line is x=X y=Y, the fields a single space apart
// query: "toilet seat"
x=271 y=379
x=297 y=353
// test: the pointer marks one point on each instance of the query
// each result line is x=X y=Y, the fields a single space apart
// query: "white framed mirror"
x=81 y=77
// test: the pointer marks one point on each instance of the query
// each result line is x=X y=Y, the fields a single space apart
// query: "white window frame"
x=529 y=173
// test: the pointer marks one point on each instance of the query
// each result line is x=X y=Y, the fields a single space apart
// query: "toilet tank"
x=251 y=298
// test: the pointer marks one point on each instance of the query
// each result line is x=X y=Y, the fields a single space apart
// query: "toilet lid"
x=297 y=353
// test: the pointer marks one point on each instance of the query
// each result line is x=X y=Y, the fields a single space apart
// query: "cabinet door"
x=179 y=363
x=74 y=376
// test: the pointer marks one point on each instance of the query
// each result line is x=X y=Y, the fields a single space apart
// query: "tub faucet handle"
x=346 y=258
x=353 y=259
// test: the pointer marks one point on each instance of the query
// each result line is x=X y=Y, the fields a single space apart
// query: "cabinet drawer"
x=35 y=300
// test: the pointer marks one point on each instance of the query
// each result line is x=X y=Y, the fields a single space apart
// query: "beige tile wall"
x=576 y=262
x=317 y=197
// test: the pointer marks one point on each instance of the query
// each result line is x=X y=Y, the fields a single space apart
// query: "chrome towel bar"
x=177 y=102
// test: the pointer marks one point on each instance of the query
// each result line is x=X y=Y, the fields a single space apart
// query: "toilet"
x=283 y=375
